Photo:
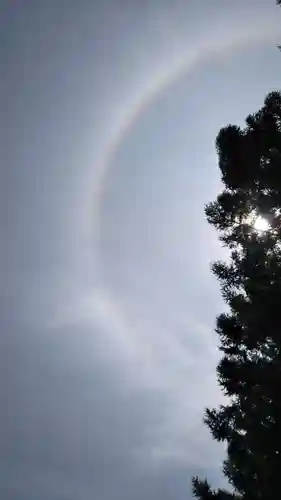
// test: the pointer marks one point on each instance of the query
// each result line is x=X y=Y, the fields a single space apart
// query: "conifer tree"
x=247 y=216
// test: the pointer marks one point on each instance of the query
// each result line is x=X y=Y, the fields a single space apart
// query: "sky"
x=109 y=114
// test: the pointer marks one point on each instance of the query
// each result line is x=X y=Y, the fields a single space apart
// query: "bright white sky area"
x=110 y=112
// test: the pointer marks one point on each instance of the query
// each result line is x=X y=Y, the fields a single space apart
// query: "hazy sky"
x=109 y=113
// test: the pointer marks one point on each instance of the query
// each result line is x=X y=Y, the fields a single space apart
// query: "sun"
x=258 y=223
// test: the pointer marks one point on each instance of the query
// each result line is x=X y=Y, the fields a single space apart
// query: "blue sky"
x=109 y=116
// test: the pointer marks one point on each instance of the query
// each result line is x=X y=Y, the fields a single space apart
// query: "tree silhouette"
x=249 y=372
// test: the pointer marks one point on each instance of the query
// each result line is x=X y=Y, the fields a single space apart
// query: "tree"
x=249 y=372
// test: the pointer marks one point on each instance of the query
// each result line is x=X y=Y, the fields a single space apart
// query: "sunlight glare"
x=261 y=224
x=258 y=223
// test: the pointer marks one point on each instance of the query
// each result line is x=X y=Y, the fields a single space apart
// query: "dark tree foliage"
x=249 y=372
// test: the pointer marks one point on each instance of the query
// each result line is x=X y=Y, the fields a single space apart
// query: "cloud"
x=77 y=424
x=107 y=364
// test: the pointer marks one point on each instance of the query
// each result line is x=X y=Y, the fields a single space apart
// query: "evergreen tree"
x=249 y=372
